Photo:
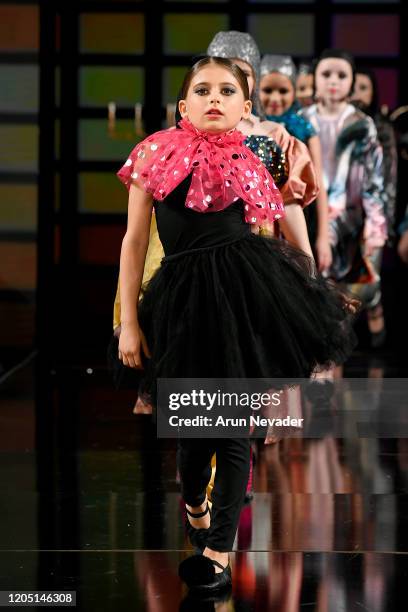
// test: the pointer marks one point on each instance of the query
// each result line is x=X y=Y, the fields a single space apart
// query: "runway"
x=97 y=508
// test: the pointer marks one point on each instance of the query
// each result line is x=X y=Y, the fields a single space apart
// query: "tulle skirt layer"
x=252 y=308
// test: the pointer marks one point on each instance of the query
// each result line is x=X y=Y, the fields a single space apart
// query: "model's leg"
x=194 y=464
x=228 y=495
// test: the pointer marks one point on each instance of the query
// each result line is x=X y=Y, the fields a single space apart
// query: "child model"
x=225 y=302
x=277 y=98
x=365 y=97
x=277 y=95
x=352 y=169
x=285 y=157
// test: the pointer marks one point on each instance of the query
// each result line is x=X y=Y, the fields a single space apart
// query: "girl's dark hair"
x=338 y=54
x=218 y=61
x=372 y=109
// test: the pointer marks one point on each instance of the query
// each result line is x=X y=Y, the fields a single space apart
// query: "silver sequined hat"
x=238 y=45
x=279 y=63
x=304 y=68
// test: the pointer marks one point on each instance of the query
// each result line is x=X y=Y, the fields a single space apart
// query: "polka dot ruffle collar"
x=223 y=170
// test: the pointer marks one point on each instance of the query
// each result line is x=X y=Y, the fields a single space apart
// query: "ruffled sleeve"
x=132 y=171
x=128 y=168
x=302 y=185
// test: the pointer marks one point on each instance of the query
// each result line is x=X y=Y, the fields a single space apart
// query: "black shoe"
x=198 y=537
x=198 y=572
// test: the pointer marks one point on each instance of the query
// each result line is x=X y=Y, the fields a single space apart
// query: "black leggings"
x=231 y=478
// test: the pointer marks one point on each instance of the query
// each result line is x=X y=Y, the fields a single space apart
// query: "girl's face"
x=247 y=70
x=276 y=93
x=334 y=77
x=215 y=101
x=304 y=88
x=363 y=90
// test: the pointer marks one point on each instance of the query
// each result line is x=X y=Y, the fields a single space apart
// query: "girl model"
x=277 y=91
x=352 y=170
x=225 y=302
x=285 y=157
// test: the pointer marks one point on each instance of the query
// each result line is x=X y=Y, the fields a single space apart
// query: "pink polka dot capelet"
x=223 y=170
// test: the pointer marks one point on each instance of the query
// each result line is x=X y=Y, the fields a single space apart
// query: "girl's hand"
x=352 y=305
x=324 y=253
x=131 y=342
x=349 y=303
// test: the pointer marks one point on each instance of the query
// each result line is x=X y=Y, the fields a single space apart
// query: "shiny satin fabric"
x=302 y=186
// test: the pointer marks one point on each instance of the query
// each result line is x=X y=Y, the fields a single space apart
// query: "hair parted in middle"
x=215 y=61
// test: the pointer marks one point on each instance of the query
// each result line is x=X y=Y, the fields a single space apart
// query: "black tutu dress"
x=227 y=303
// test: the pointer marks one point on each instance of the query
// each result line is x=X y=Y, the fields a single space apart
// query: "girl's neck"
x=331 y=108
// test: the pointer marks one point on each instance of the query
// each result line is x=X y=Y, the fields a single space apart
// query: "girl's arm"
x=294 y=228
x=132 y=259
x=324 y=254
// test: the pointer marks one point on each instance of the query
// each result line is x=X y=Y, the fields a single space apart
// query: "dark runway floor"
x=90 y=503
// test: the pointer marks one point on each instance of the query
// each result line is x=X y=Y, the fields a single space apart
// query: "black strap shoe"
x=198 y=537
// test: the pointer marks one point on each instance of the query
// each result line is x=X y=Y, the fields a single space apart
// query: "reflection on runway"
x=272 y=581
x=95 y=507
